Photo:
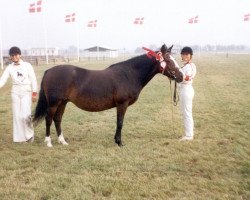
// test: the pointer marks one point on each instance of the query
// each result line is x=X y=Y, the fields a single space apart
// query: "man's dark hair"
x=187 y=50
x=14 y=51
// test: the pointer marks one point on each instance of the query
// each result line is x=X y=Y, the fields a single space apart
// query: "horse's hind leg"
x=49 y=117
x=57 y=120
x=121 y=110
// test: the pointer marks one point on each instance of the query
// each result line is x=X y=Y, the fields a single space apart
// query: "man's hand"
x=188 y=78
x=34 y=96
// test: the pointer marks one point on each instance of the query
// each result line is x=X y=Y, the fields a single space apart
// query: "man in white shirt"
x=23 y=93
x=187 y=92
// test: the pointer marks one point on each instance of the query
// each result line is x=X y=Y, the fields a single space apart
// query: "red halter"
x=152 y=53
x=158 y=57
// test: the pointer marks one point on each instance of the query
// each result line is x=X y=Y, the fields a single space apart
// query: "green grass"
x=153 y=164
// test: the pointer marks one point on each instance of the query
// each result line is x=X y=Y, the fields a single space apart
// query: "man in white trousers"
x=187 y=93
x=23 y=93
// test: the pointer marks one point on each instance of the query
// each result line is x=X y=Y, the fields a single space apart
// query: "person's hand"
x=34 y=96
x=187 y=78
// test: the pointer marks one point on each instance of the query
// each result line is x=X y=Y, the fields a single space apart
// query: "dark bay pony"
x=96 y=90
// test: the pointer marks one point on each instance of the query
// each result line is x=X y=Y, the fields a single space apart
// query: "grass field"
x=153 y=164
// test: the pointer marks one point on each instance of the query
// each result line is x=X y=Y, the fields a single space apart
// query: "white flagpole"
x=98 y=55
x=98 y=42
x=1 y=45
x=45 y=36
x=78 y=42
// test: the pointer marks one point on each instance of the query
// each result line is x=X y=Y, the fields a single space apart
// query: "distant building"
x=101 y=52
x=41 y=52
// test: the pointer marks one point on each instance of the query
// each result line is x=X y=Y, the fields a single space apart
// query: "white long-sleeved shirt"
x=188 y=69
x=22 y=75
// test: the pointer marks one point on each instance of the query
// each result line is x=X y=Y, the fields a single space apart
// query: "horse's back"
x=60 y=70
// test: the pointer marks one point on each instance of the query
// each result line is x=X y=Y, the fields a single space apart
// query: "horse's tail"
x=42 y=105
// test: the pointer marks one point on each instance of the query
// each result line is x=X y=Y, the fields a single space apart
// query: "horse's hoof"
x=49 y=145
x=48 y=142
x=62 y=140
x=119 y=143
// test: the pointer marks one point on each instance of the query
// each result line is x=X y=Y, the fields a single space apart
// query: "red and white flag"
x=139 y=20
x=247 y=17
x=70 y=18
x=92 y=24
x=35 y=7
x=193 y=20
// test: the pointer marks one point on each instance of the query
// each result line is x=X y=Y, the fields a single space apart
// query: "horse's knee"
x=48 y=122
x=119 y=126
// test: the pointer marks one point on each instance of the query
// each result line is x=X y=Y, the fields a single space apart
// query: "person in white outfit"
x=186 y=92
x=23 y=93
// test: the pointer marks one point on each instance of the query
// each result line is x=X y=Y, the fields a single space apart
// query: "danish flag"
x=247 y=17
x=92 y=24
x=35 y=7
x=139 y=20
x=70 y=18
x=193 y=20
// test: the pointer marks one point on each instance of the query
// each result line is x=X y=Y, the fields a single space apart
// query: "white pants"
x=22 y=124
x=186 y=104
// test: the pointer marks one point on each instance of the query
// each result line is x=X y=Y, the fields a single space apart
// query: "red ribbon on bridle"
x=151 y=53
x=158 y=57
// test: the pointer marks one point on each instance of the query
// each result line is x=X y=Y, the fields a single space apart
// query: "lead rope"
x=175 y=99
x=172 y=106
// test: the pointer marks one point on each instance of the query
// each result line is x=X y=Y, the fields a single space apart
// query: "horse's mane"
x=135 y=61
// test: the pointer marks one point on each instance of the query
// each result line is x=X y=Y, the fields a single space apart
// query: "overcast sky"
x=166 y=21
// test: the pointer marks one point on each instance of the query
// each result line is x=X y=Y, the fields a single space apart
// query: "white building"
x=41 y=52
x=100 y=52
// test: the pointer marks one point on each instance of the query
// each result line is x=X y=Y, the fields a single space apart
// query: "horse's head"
x=168 y=65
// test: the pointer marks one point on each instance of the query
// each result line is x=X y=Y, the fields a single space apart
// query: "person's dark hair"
x=187 y=50
x=14 y=51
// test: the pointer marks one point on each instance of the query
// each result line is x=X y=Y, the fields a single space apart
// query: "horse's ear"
x=164 y=49
x=170 y=48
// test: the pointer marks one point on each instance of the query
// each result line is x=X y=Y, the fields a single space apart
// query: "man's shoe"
x=31 y=140
x=186 y=138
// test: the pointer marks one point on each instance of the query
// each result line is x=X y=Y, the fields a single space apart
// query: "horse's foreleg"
x=121 y=110
x=48 y=119
x=57 y=120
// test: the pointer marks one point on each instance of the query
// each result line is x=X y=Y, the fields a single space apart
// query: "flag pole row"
x=36 y=7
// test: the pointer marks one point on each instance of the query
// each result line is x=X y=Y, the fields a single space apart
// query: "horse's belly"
x=94 y=105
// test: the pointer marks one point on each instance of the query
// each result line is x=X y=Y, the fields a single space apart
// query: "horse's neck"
x=146 y=73
x=139 y=71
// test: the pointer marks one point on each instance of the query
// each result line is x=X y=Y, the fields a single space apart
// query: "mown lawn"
x=153 y=164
